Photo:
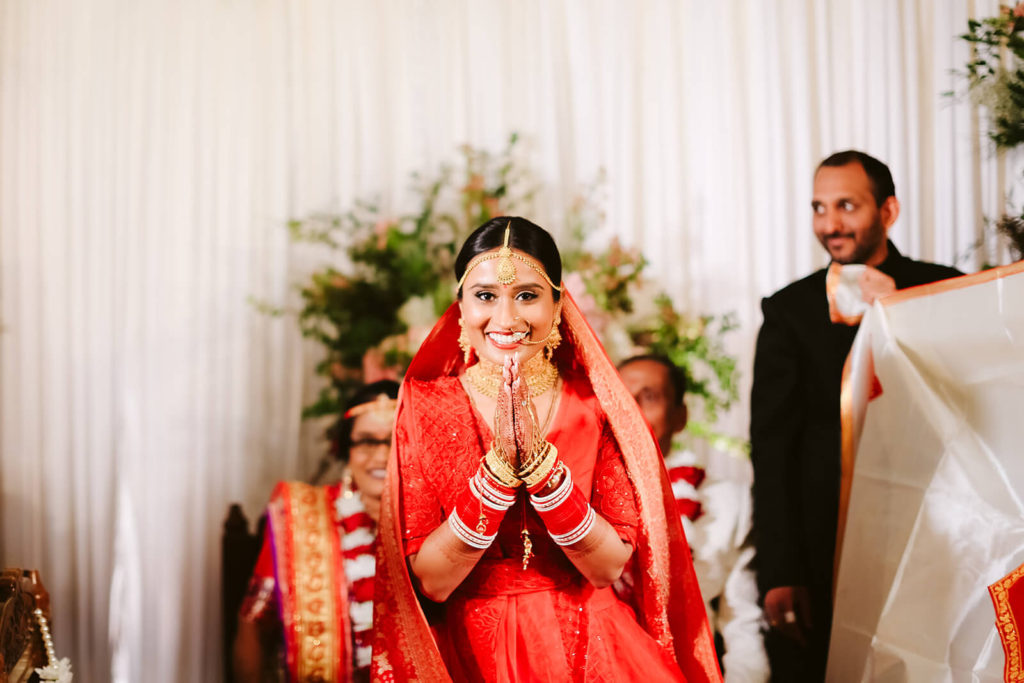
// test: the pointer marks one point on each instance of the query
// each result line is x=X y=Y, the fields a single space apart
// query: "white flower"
x=418 y=315
x=617 y=341
x=361 y=567
x=646 y=312
x=418 y=311
x=59 y=671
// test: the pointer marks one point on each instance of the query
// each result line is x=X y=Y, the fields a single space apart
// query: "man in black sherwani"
x=794 y=426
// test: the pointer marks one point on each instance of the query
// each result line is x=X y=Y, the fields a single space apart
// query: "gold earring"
x=554 y=337
x=346 y=484
x=467 y=348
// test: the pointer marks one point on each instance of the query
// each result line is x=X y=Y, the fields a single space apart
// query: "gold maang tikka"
x=506 y=271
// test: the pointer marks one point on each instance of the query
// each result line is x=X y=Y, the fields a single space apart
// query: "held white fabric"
x=151 y=153
x=849 y=299
x=938 y=484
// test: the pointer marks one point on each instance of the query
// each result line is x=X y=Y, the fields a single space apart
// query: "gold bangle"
x=534 y=462
x=550 y=458
x=500 y=470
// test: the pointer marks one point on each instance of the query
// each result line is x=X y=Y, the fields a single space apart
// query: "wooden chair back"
x=21 y=641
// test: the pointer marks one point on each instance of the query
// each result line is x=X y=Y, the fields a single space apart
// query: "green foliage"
x=394 y=277
x=696 y=346
x=994 y=75
x=995 y=79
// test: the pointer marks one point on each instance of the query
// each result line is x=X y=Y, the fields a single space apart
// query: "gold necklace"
x=540 y=374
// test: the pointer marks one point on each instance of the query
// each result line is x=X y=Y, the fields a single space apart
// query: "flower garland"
x=358 y=535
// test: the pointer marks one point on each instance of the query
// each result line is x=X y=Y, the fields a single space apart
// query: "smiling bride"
x=525 y=484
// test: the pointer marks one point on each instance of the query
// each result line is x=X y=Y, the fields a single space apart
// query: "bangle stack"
x=538 y=470
x=479 y=510
x=498 y=469
x=565 y=511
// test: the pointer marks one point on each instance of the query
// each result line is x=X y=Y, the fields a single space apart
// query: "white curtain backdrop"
x=152 y=151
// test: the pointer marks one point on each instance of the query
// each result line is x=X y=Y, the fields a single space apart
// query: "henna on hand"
x=523 y=415
x=504 y=420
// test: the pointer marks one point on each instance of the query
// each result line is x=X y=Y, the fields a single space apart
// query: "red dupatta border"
x=669 y=602
x=311 y=584
x=1008 y=601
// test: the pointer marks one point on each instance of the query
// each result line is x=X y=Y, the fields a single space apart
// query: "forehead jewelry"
x=506 y=270
x=381 y=402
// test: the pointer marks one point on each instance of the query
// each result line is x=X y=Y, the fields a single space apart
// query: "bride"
x=526 y=483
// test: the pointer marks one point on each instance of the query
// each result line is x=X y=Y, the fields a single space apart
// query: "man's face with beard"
x=847 y=220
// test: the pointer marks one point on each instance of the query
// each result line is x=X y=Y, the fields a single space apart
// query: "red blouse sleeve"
x=613 y=496
x=421 y=510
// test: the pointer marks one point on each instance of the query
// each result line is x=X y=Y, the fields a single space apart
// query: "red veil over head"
x=668 y=600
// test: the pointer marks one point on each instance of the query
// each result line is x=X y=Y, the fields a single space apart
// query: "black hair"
x=365 y=394
x=675 y=373
x=527 y=237
x=882 y=186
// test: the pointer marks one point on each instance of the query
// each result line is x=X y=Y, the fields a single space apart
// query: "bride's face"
x=499 y=318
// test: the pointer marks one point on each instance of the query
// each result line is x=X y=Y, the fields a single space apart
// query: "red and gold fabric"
x=507 y=623
x=316 y=569
x=1008 y=601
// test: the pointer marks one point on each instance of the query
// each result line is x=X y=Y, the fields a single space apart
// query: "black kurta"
x=795 y=447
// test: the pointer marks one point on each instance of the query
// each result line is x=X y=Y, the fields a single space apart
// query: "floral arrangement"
x=995 y=76
x=995 y=80
x=393 y=279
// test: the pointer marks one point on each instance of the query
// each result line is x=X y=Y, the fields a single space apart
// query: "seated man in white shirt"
x=713 y=495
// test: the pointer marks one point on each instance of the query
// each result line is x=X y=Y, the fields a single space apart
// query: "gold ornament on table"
x=539 y=372
x=506 y=270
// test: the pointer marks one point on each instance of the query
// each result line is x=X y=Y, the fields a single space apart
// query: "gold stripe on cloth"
x=316 y=641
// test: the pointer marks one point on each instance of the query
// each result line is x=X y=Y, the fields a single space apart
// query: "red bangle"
x=539 y=486
x=479 y=510
x=565 y=512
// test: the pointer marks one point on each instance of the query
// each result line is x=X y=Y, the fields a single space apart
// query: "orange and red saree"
x=300 y=580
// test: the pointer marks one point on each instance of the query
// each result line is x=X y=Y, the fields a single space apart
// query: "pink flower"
x=380 y=229
x=475 y=184
x=374 y=368
x=574 y=283
x=1018 y=11
x=587 y=304
x=338 y=371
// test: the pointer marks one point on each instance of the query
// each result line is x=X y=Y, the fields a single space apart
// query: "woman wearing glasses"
x=310 y=598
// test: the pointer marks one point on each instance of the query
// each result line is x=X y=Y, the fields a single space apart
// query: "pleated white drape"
x=151 y=152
